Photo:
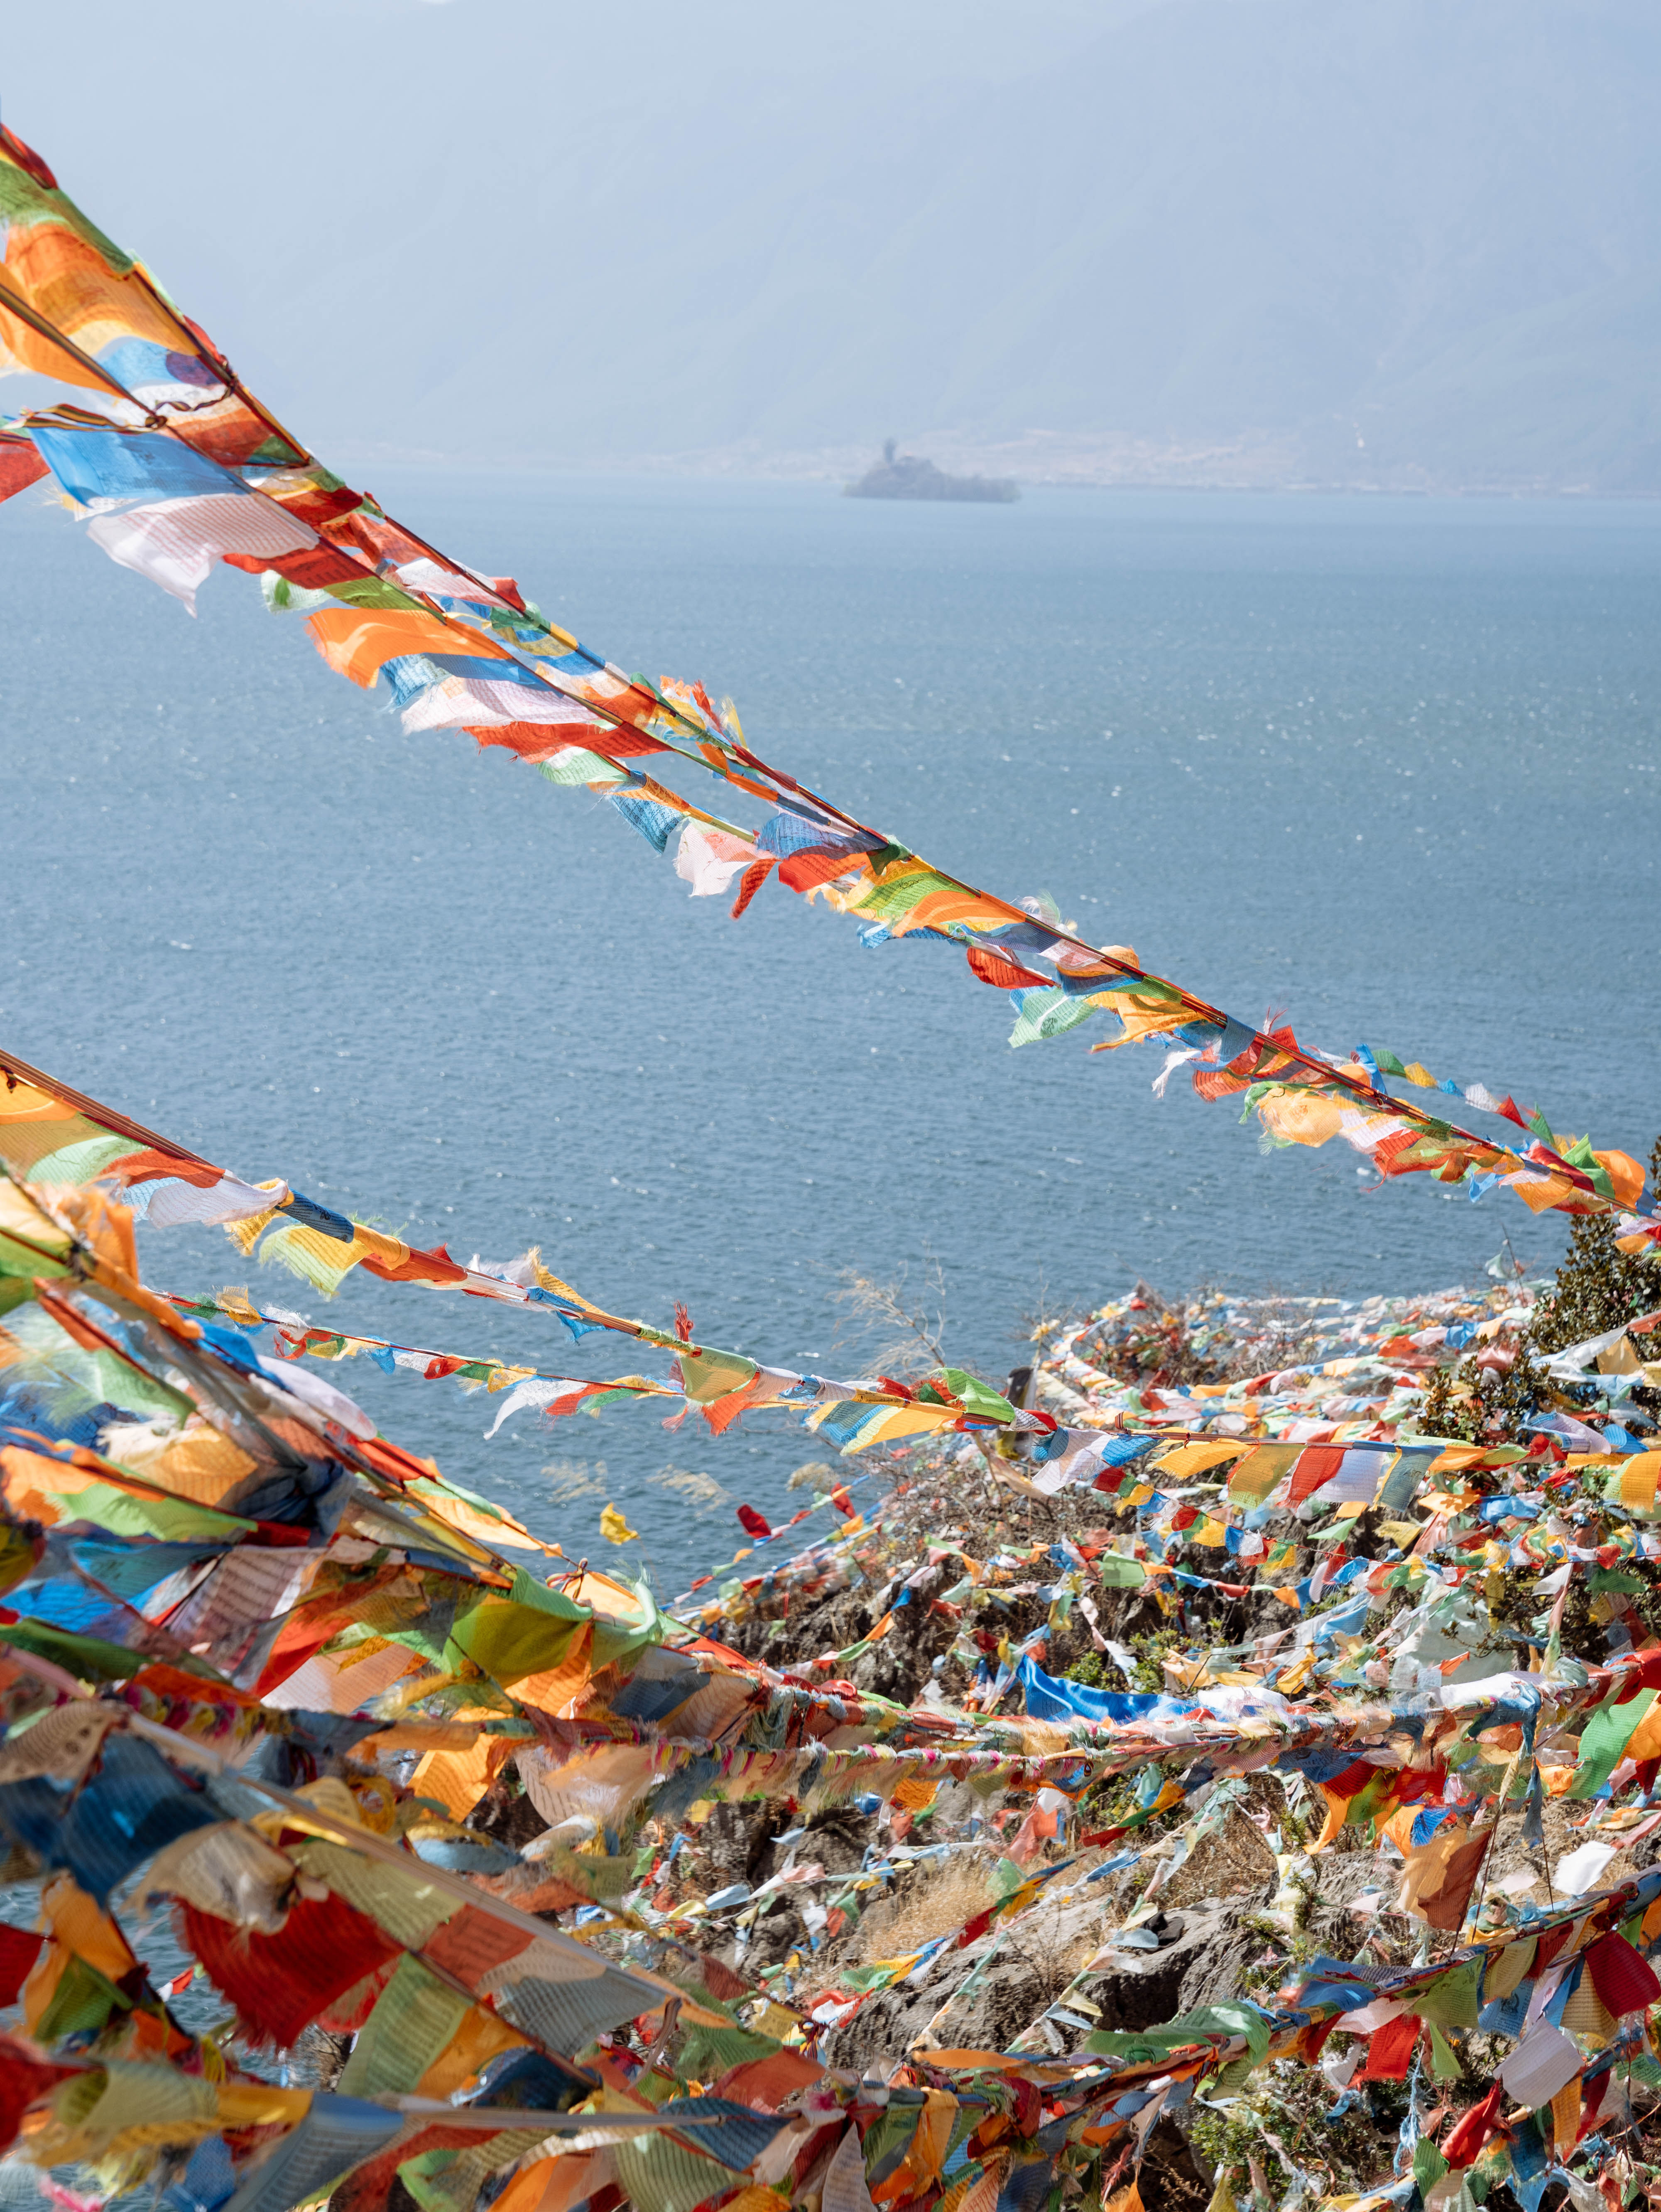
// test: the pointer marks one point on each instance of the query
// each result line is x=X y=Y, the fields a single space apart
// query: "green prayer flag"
x=92 y=1657
x=705 y=2053
x=174 y=1520
x=1602 y=1742
x=77 y=1163
x=979 y=1398
x=707 y=1376
x=658 y=2175
x=526 y=1633
x=1048 y=1012
x=1115 y=1573
x=581 y=766
x=1452 y=1999
x=1428 y=2163
x=415 y=2018
x=1444 y=2065
x=450 y=2180
x=81 y=2003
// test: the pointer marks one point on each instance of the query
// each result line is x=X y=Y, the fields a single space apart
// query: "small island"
x=907 y=475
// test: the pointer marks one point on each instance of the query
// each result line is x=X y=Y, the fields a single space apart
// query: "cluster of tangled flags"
x=261 y=1668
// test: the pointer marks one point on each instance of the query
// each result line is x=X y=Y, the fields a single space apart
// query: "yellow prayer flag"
x=1185 y=1459
x=615 y=1529
x=1637 y=1482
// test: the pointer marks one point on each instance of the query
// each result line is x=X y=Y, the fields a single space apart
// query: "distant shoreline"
x=641 y=467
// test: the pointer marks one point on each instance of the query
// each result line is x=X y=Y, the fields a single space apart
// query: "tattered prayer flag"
x=1356 y=1795
x=278 y=1984
x=101 y=1830
x=616 y=1530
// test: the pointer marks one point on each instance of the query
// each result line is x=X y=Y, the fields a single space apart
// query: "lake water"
x=1389 y=768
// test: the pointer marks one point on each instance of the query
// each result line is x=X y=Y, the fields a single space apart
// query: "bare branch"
x=913 y=1339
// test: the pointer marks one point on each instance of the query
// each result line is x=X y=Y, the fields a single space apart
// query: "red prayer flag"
x=1625 y=1981
x=802 y=871
x=279 y=1983
x=1350 y=1781
x=1547 y=1946
x=23 y=2077
x=21 y=465
x=764 y=2083
x=312 y=570
x=1312 y=2040
x=1391 y=2051
x=1003 y=973
x=1466 y=2137
x=19 y=1950
x=1593 y=2093
x=749 y=884
x=1645 y=1674
x=1316 y=1464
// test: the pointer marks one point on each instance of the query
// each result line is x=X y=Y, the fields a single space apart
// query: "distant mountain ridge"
x=1318 y=243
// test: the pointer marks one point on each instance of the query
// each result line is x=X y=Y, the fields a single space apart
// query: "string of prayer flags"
x=324 y=1246
x=184 y=469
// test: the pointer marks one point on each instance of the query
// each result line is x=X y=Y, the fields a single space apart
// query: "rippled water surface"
x=1388 y=767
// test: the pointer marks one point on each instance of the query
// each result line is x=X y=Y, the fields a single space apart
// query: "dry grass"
x=1230 y=1863
x=933 y=1905
x=1056 y=1954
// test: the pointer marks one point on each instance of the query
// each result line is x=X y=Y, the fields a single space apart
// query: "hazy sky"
x=1420 y=236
